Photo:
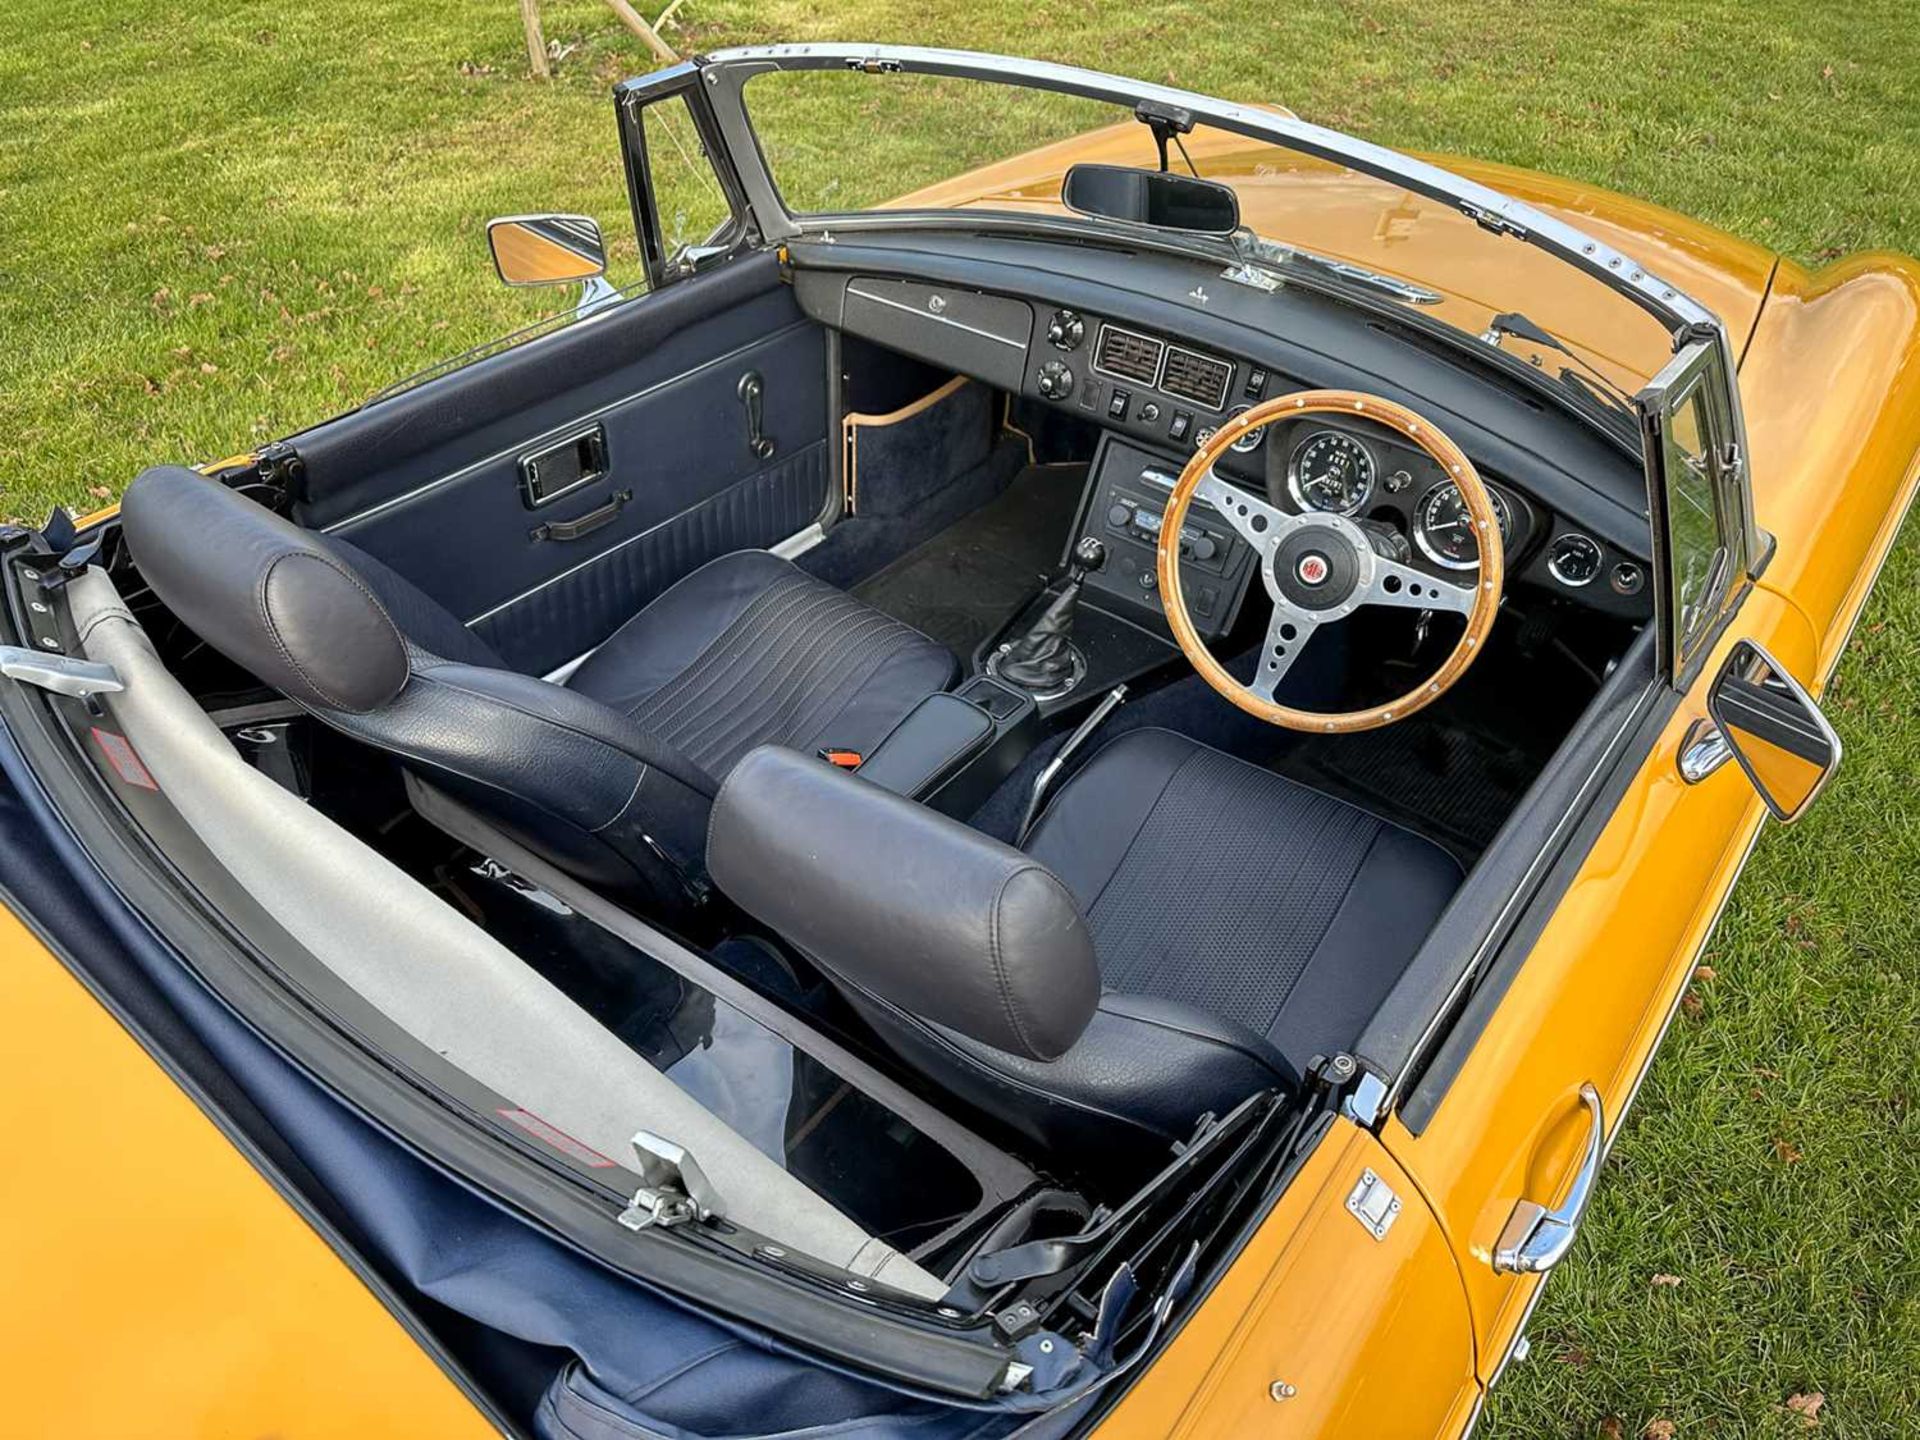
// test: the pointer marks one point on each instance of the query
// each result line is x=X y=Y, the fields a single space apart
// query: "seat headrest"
x=263 y=592
x=905 y=904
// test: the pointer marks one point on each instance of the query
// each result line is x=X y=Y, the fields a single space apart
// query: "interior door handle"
x=1535 y=1238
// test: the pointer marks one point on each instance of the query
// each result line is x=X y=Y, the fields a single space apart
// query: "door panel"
x=430 y=481
x=1593 y=996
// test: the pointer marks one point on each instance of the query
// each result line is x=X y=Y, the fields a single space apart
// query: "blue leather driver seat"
x=1183 y=930
x=609 y=775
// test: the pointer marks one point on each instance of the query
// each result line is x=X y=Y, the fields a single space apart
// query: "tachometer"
x=1330 y=471
x=1443 y=529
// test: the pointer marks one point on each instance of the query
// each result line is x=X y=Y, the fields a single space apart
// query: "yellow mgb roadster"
x=1062 y=796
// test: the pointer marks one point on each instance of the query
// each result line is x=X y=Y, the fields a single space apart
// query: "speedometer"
x=1330 y=471
x=1443 y=527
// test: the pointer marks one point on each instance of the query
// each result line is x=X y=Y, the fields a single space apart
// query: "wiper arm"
x=1595 y=381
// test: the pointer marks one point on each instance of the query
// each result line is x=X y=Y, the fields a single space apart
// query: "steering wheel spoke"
x=1287 y=635
x=1257 y=522
x=1407 y=588
x=1319 y=568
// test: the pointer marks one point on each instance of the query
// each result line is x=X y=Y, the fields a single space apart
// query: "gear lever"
x=1043 y=659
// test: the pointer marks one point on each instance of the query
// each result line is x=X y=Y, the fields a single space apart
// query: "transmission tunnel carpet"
x=971 y=578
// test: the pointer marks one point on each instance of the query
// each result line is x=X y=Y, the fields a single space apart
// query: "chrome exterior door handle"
x=1535 y=1238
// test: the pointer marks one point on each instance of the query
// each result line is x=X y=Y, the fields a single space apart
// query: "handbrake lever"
x=1109 y=702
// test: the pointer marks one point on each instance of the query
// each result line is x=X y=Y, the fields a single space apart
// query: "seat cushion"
x=1218 y=885
x=750 y=650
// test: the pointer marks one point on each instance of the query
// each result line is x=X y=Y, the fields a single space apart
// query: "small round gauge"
x=1332 y=472
x=1443 y=527
x=1249 y=442
x=1573 y=559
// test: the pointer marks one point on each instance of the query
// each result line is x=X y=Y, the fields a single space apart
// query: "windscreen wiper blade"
x=1513 y=323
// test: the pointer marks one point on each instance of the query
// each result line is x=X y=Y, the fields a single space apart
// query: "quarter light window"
x=1700 y=558
x=1697 y=484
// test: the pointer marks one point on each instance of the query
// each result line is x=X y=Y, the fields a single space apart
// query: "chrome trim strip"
x=1100 y=343
x=564 y=673
x=520 y=447
x=800 y=541
x=595 y=559
x=1019 y=345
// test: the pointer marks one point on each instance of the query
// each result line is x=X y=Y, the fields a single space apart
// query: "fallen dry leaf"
x=1807 y=1407
x=1666 y=1280
x=1705 y=973
x=1611 y=1428
x=99 y=492
x=1788 y=1152
x=1658 y=1430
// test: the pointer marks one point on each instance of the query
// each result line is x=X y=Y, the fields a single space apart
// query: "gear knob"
x=1089 y=554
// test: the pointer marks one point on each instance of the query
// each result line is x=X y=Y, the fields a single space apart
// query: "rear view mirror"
x=1774 y=729
x=546 y=249
x=1151 y=197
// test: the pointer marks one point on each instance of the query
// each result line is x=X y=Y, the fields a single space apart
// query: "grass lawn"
x=214 y=231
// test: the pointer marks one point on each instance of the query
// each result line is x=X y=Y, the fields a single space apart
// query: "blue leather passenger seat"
x=609 y=775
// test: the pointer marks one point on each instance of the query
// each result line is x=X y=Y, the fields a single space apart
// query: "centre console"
x=1099 y=627
x=1126 y=496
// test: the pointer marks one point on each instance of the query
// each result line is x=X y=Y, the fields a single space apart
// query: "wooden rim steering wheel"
x=1319 y=567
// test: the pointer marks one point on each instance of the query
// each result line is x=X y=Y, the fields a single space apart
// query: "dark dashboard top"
x=1291 y=337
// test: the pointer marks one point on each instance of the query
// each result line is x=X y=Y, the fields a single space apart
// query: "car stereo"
x=1125 y=501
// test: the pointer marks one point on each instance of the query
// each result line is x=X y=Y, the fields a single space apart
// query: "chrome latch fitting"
x=673 y=1190
x=62 y=674
x=1373 y=1203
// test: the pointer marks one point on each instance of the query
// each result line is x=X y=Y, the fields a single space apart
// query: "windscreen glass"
x=838 y=142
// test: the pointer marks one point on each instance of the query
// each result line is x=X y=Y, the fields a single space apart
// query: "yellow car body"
x=195 y=1301
x=1318 y=1329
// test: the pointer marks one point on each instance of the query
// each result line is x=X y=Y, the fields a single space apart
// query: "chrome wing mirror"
x=552 y=250
x=1774 y=729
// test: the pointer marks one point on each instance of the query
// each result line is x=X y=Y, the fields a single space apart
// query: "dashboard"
x=1368 y=473
x=1163 y=391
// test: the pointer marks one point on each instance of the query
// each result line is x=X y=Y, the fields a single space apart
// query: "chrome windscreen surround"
x=725 y=71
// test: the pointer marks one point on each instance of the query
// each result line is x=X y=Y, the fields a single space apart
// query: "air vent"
x=1199 y=378
x=1127 y=356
